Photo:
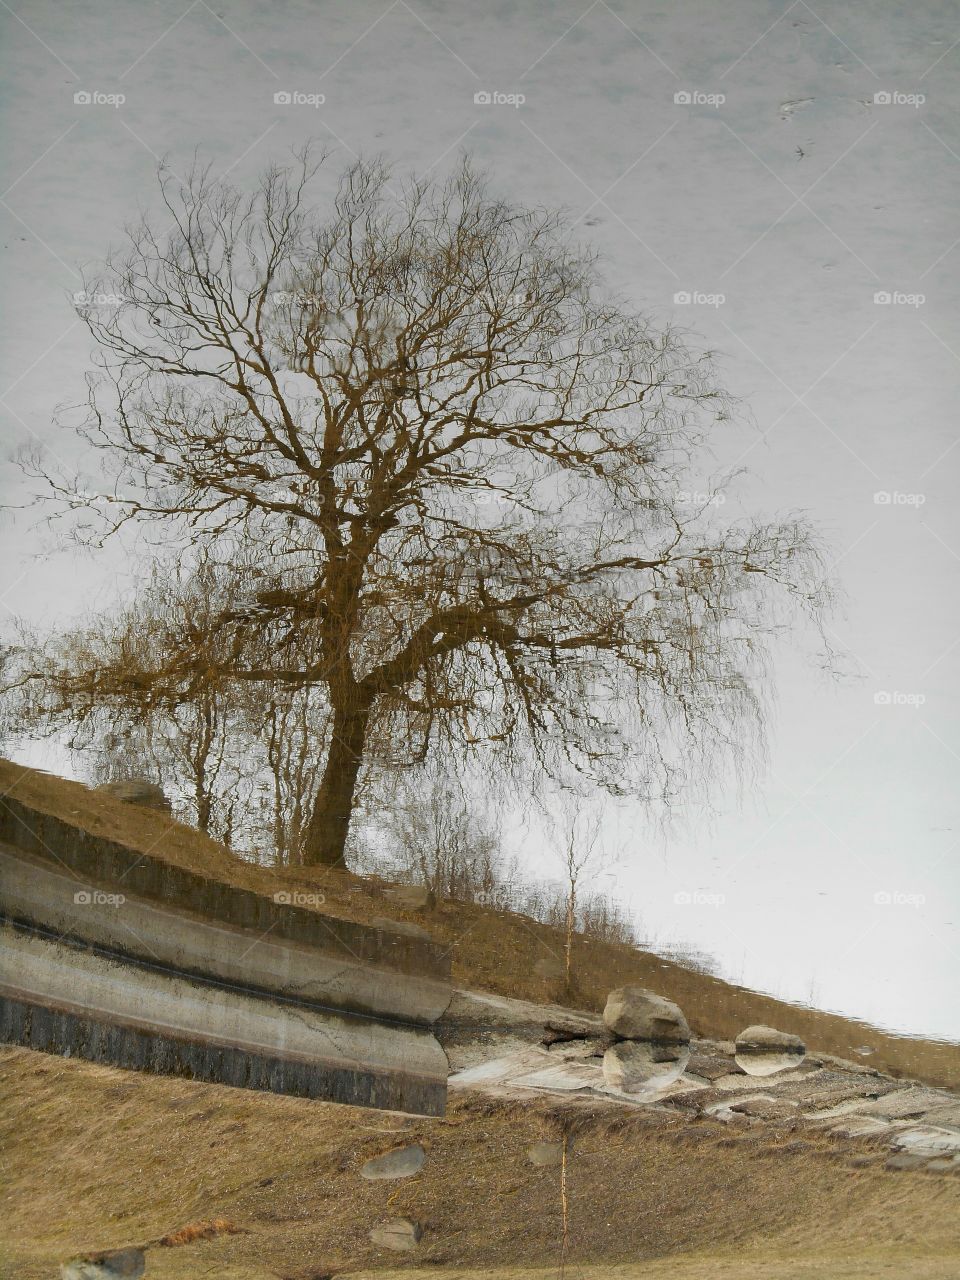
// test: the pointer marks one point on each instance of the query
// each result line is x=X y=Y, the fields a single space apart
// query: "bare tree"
x=114 y=685
x=457 y=458
x=429 y=829
x=244 y=768
x=576 y=828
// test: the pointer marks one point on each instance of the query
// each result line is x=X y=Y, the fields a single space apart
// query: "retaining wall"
x=117 y=956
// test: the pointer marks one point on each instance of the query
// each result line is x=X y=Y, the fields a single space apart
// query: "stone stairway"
x=514 y=1049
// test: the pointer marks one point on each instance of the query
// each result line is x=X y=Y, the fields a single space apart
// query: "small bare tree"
x=576 y=829
x=429 y=830
x=113 y=684
x=458 y=459
x=245 y=768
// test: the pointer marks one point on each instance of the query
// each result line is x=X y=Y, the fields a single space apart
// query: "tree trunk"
x=326 y=833
x=570 y=922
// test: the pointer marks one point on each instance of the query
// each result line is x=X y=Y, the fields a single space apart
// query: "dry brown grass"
x=97 y=1158
x=194 y=1231
x=884 y=1265
x=494 y=951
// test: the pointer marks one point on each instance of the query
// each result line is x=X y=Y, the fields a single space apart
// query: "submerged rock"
x=399 y=1233
x=637 y=1014
x=403 y=1162
x=545 y=1154
x=632 y=1065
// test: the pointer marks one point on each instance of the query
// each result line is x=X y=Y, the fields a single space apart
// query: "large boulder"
x=137 y=791
x=115 y=1264
x=633 y=1013
x=403 y=1162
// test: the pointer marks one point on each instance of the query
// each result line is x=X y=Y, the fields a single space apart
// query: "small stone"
x=637 y=1014
x=402 y=1162
x=766 y=1108
x=545 y=1154
x=414 y=896
x=114 y=1264
x=137 y=791
x=399 y=1233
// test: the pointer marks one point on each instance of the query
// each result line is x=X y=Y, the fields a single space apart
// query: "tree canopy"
x=439 y=470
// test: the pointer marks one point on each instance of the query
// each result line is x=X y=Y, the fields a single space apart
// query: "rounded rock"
x=763 y=1051
x=137 y=791
x=633 y=1065
x=634 y=1013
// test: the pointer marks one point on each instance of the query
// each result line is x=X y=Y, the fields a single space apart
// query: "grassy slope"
x=493 y=951
x=105 y=1158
